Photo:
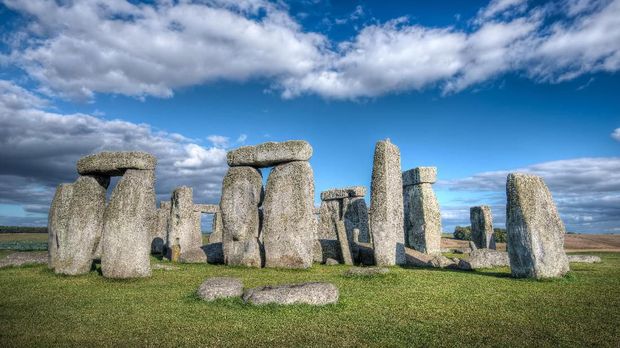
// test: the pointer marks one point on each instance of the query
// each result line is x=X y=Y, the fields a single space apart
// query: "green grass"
x=407 y=307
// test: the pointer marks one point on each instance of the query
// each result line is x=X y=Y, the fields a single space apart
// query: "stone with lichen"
x=270 y=154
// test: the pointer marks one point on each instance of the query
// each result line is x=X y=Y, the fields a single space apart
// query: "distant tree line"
x=464 y=233
x=22 y=229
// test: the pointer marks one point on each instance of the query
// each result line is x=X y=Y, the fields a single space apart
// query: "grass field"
x=407 y=307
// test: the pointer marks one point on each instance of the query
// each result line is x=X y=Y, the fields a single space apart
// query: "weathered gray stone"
x=331 y=262
x=482 y=226
x=485 y=258
x=214 y=252
x=77 y=246
x=115 y=163
x=365 y=254
x=345 y=249
x=18 y=259
x=420 y=259
x=217 y=228
x=329 y=214
x=270 y=154
x=184 y=227
x=584 y=259
x=220 y=287
x=347 y=192
x=206 y=208
x=386 y=207
x=242 y=194
x=366 y=271
x=129 y=220
x=356 y=218
x=159 y=266
x=160 y=232
x=324 y=249
x=420 y=175
x=288 y=226
x=58 y=219
x=316 y=294
x=422 y=218
x=534 y=229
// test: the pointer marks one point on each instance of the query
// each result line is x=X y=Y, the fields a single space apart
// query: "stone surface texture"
x=129 y=220
x=160 y=232
x=289 y=222
x=242 y=194
x=315 y=294
x=183 y=228
x=482 y=227
x=386 y=207
x=57 y=221
x=220 y=287
x=345 y=248
x=340 y=193
x=76 y=247
x=270 y=154
x=584 y=259
x=485 y=258
x=420 y=175
x=115 y=163
x=356 y=217
x=534 y=229
x=206 y=208
x=422 y=218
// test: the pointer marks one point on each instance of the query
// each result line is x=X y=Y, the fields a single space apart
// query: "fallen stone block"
x=220 y=287
x=316 y=294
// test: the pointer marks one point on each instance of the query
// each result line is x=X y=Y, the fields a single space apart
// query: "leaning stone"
x=417 y=258
x=420 y=175
x=206 y=208
x=57 y=221
x=270 y=154
x=366 y=271
x=220 y=287
x=422 y=218
x=482 y=227
x=242 y=194
x=129 y=218
x=288 y=226
x=348 y=192
x=115 y=163
x=584 y=259
x=534 y=229
x=316 y=294
x=345 y=249
x=18 y=259
x=84 y=227
x=386 y=207
x=184 y=227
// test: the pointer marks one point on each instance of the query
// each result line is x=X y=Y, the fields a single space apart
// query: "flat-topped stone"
x=420 y=175
x=270 y=153
x=206 y=208
x=347 y=192
x=316 y=294
x=115 y=163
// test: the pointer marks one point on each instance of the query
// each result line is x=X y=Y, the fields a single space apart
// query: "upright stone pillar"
x=386 y=206
x=160 y=233
x=58 y=219
x=288 y=226
x=217 y=228
x=242 y=194
x=422 y=215
x=182 y=227
x=76 y=247
x=482 y=227
x=129 y=221
x=534 y=229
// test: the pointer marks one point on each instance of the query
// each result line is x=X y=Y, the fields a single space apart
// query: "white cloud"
x=218 y=140
x=151 y=50
x=242 y=138
x=39 y=150
x=616 y=134
x=586 y=191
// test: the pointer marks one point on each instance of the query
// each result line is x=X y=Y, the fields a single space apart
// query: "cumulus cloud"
x=152 y=49
x=616 y=134
x=39 y=150
x=586 y=191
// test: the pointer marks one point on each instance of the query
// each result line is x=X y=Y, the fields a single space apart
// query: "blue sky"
x=476 y=88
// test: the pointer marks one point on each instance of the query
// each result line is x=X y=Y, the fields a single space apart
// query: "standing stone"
x=242 y=194
x=160 y=232
x=345 y=248
x=386 y=207
x=482 y=227
x=288 y=210
x=129 y=220
x=84 y=227
x=217 y=228
x=356 y=217
x=534 y=229
x=422 y=215
x=58 y=219
x=182 y=227
x=329 y=213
